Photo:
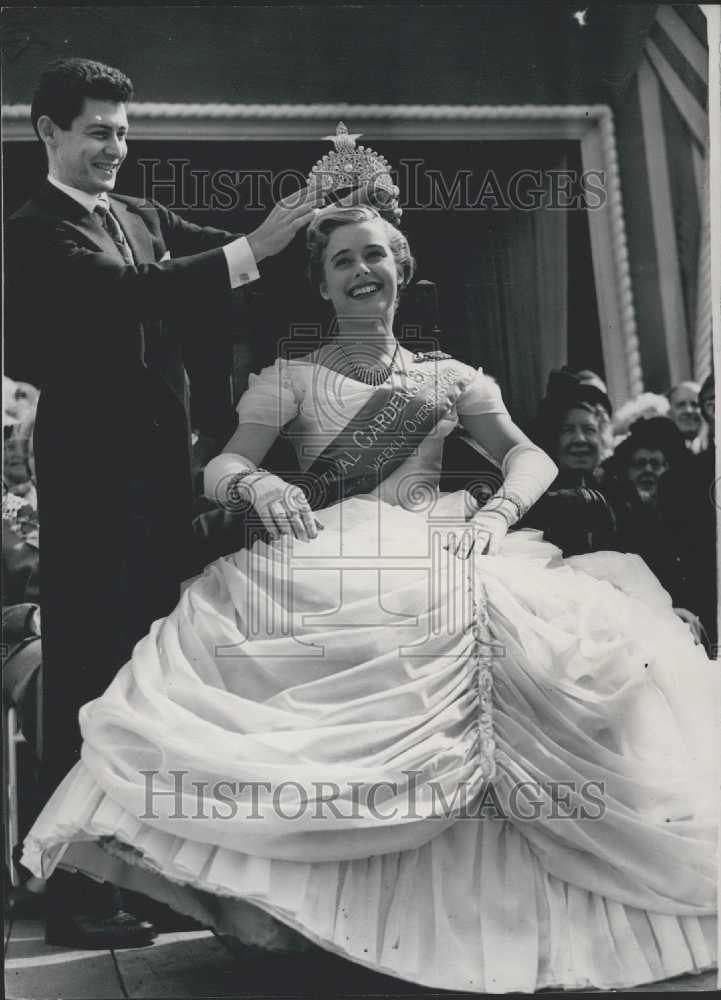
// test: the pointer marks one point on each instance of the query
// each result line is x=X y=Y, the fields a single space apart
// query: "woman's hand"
x=483 y=535
x=282 y=507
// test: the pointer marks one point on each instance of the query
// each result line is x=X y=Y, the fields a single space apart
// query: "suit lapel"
x=136 y=231
x=146 y=248
x=56 y=202
x=71 y=212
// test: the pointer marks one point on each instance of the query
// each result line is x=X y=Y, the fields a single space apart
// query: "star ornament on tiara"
x=351 y=174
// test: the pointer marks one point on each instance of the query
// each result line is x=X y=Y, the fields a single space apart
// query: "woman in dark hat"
x=650 y=485
x=653 y=448
x=572 y=427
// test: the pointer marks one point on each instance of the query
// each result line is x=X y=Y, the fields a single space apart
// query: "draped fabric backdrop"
x=518 y=296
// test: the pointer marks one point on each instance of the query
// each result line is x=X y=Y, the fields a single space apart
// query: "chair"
x=22 y=715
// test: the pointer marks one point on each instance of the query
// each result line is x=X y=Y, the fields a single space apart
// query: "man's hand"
x=286 y=218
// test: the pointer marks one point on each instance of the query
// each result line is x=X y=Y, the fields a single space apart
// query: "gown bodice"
x=310 y=404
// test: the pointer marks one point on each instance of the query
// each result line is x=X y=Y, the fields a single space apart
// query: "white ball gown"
x=489 y=775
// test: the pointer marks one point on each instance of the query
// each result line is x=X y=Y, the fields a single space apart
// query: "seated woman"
x=650 y=484
x=641 y=500
x=428 y=744
x=573 y=426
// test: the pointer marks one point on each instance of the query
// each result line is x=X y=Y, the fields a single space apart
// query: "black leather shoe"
x=88 y=931
x=23 y=904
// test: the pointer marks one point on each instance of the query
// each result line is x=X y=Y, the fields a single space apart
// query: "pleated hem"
x=522 y=930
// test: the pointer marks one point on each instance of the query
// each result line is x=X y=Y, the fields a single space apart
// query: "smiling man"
x=685 y=411
x=86 y=156
x=107 y=297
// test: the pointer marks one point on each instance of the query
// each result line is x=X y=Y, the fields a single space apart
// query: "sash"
x=380 y=437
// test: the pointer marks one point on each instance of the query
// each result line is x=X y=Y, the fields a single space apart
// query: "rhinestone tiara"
x=351 y=167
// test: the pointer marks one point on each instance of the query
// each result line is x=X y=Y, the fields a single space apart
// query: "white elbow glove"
x=218 y=473
x=236 y=483
x=527 y=474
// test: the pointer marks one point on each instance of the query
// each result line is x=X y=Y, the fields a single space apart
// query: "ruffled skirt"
x=490 y=774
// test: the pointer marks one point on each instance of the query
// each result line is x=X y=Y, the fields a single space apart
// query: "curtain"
x=517 y=296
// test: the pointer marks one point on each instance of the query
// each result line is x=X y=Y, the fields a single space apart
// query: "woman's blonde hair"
x=331 y=218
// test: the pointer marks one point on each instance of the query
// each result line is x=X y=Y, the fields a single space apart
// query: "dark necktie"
x=110 y=225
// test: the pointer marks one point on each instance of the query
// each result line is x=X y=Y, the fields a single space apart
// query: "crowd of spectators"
x=652 y=493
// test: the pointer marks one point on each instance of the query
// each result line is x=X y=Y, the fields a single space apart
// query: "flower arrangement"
x=21 y=518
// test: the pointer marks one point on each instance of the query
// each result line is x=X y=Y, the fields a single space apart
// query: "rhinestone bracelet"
x=233 y=493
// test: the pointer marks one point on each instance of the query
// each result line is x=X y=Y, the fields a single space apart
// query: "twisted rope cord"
x=389 y=112
x=629 y=330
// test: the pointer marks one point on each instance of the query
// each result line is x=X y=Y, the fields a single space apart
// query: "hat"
x=590 y=377
x=566 y=388
x=655 y=434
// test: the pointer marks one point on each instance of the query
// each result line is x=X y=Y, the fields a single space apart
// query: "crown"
x=351 y=167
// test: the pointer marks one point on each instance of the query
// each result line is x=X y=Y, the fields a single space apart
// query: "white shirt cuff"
x=242 y=267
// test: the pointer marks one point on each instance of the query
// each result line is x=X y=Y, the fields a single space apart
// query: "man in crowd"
x=98 y=291
x=685 y=411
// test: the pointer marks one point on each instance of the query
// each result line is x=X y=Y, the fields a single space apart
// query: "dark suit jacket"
x=61 y=264
x=105 y=343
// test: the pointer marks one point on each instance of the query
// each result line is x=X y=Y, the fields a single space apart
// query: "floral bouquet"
x=21 y=517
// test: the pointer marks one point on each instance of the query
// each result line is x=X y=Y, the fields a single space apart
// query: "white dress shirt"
x=242 y=268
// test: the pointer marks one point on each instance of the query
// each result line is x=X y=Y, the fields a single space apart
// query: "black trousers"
x=96 y=604
x=113 y=552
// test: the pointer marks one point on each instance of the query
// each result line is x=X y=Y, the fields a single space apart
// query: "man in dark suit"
x=99 y=291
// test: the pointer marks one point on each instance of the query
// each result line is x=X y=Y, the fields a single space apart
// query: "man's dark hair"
x=66 y=83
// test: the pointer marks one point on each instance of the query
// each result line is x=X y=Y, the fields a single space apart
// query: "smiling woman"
x=326 y=226
x=572 y=430
x=360 y=263
x=579 y=439
x=360 y=268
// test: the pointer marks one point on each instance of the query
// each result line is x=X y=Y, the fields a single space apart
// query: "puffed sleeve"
x=482 y=395
x=272 y=397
